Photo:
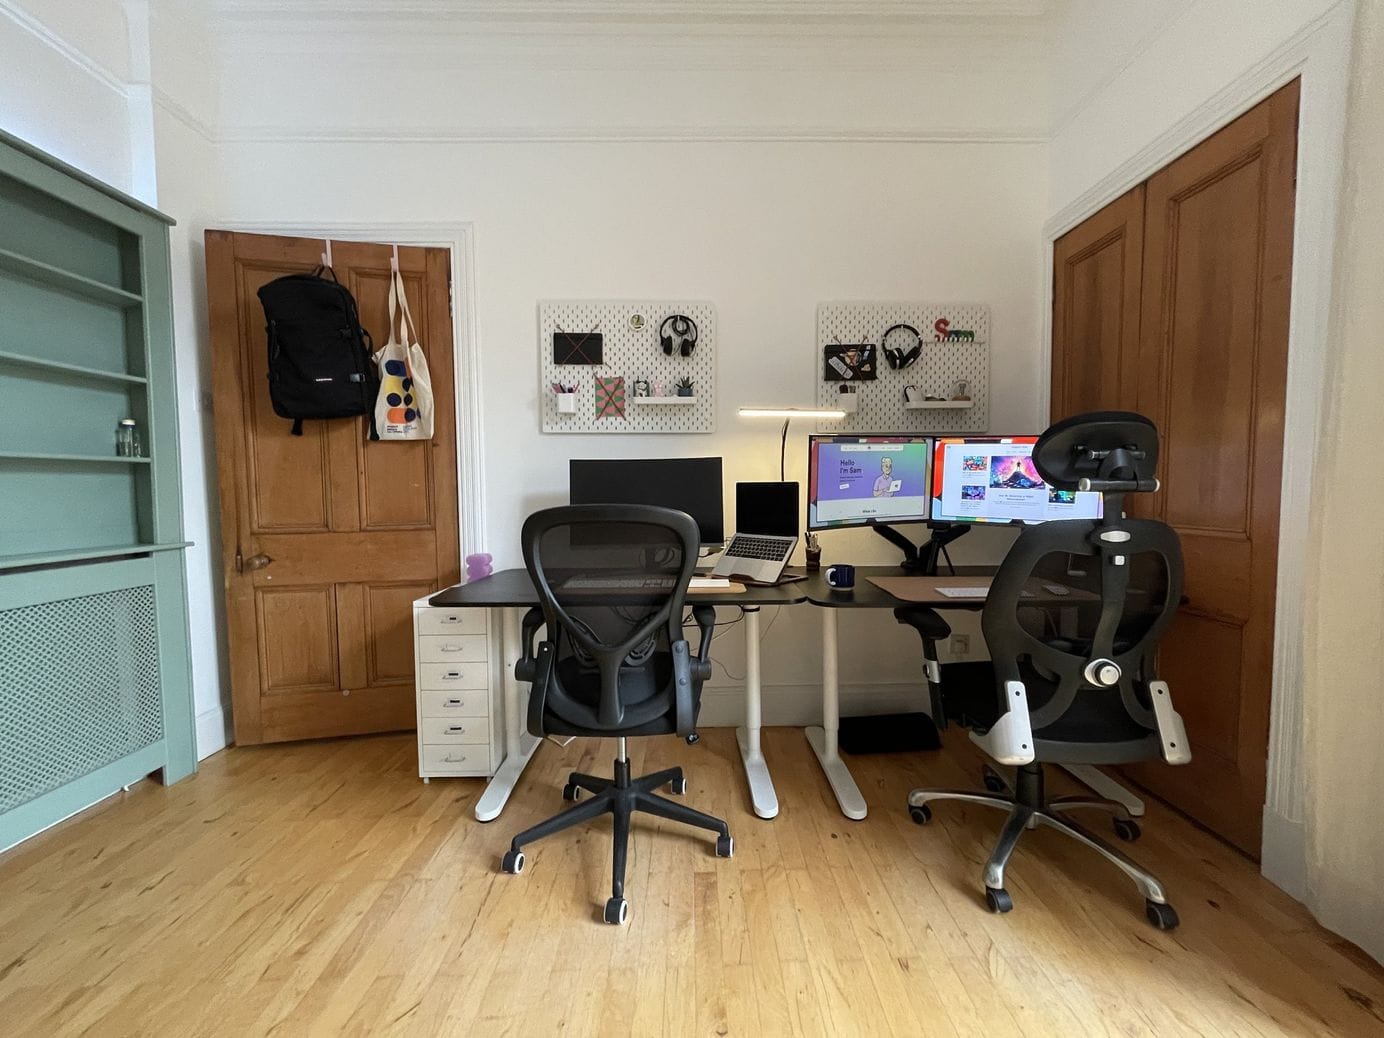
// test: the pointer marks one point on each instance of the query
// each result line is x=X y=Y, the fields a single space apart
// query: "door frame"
x=459 y=240
x=1319 y=54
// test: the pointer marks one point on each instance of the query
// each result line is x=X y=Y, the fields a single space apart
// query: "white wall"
x=185 y=112
x=63 y=87
x=1127 y=72
x=765 y=230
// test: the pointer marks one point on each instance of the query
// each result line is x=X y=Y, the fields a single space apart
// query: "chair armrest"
x=525 y=668
x=931 y=629
x=705 y=618
x=538 y=692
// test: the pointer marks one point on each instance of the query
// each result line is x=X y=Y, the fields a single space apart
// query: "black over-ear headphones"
x=898 y=357
x=678 y=331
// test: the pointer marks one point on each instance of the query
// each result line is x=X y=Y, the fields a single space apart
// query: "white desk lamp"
x=788 y=414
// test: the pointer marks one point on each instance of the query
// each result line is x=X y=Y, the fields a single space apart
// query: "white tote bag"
x=404 y=408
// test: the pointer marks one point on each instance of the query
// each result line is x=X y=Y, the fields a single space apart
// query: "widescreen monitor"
x=691 y=485
x=992 y=479
x=867 y=480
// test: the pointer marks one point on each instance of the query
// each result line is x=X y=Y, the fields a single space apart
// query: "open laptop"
x=766 y=521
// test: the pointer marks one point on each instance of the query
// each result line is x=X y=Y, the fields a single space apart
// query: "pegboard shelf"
x=665 y=401
x=954 y=360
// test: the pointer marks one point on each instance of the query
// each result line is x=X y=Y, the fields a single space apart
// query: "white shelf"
x=938 y=405
x=664 y=401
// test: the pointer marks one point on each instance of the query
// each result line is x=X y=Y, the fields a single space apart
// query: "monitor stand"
x=922 y=558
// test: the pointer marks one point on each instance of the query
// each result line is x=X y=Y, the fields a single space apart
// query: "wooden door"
x=1097 y=272
x=1213 y=361
x=326 y=537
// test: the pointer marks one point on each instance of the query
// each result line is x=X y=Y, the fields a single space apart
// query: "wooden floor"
x=321 y=888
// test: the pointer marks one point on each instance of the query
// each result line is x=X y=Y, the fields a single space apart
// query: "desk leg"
x=823 y=739
x=1092 y=776
x=519 y=745
x=762 y=794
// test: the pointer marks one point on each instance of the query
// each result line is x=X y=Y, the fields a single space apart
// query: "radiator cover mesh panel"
x=79 y=689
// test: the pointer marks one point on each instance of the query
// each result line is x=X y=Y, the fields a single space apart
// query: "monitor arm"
x=922 y=558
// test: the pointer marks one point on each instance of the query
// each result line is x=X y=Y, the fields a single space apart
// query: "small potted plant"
x=685 y=386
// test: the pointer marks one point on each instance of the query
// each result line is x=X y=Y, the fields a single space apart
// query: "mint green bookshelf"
x=95 y=680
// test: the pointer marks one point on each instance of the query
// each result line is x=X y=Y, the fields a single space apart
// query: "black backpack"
x=319 y=355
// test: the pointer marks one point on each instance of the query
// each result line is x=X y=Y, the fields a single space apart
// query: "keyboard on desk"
x=618 y=584
x=752 y=546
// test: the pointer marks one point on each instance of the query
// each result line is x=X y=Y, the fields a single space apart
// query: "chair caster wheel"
x=678 y=787
x=693 y=739
x=998 y=899
x=617 y=911
x=1161 y=915
x=571 y=792
x=1127 y=829
x=512 y=862
x=993 y=782
x=922 y=814
x=725 y=846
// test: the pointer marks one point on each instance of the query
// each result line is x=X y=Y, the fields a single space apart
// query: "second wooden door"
x=1174 y=302
x=328 y=537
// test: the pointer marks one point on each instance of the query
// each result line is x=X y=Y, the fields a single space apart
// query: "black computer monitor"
x=691 y=485
x=767 y=509
x=867 y=480
x=992 y=479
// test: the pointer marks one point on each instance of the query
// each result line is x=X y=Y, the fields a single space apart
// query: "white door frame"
x=1319 y=53
x=459 y=240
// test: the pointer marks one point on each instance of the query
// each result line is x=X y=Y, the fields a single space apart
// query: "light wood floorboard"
x=321 y=888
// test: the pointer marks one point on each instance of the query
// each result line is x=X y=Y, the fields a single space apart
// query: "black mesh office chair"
x=613 y=660
x=1073 y=683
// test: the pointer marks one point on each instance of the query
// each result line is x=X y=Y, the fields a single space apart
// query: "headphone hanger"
x=898 y=357
x=681 y=337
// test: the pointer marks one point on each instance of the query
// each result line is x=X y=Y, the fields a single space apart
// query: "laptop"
x=766 y=521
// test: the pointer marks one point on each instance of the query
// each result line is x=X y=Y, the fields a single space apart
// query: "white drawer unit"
x=459 y=696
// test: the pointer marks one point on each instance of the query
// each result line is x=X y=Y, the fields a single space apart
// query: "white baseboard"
x=213 y=732
x=800 y=705
x=1283 y=860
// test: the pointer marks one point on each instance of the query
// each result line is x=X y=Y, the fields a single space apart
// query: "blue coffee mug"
x=840 y=577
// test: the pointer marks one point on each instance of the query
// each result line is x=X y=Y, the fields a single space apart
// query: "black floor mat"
x=888 y=733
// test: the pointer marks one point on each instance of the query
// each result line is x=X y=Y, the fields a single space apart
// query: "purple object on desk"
x=478 y=566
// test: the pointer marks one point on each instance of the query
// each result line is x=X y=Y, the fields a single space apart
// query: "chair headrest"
x=1112 y=451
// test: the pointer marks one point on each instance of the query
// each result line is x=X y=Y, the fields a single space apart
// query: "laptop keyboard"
x=769 y=549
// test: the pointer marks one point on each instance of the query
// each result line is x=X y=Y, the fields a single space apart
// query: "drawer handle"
x=451 y=648
x=452 y=675
x=454 y=758
x=455 y=701
x=457 y=729
x=451 y=619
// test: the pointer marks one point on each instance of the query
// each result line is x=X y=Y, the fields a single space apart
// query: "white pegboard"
x=941 y=365
x=634 y=353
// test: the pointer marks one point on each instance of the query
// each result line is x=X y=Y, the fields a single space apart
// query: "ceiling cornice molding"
x=82 y=60
x=625 y=135
x=645 y=19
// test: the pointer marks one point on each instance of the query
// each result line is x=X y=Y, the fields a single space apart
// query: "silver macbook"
x=766 y=532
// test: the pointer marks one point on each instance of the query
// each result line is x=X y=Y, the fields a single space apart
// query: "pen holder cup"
x=566 y=403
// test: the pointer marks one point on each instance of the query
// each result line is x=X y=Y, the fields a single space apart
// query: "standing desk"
x=509 y=591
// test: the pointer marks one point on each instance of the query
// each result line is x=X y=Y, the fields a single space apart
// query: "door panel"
x=298 y=649
x=1095 y=325
x=1212 y=372
x=335 y=534
x=389 y=630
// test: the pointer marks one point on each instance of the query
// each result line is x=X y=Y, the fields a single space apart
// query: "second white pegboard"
x=956 y=348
